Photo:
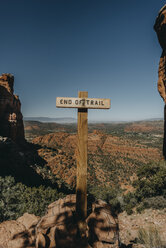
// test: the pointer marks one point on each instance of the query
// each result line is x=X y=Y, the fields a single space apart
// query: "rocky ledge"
x=59 y=228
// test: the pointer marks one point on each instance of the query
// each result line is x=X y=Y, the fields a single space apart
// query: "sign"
x=83 y=103
x=89 y=103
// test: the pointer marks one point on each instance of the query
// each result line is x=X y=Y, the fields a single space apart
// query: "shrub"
x=130 y=202
x=151 y=181
x=9 y=198
x=158 y=202
x=110 y=195
x=16 y=199
x=115 y=206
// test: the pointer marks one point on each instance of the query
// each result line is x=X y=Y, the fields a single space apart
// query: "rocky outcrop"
x=160 y=28
x=11 y=120
x=59 y=228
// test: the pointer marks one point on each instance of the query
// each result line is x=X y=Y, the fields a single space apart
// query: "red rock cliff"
x=11 y=119
x=160 y=28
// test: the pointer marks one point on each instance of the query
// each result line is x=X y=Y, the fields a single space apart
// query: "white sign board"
x=89 y=103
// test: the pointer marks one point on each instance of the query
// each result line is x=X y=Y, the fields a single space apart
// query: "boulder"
x=59 y=227
x=103 y=226
x=18 y=233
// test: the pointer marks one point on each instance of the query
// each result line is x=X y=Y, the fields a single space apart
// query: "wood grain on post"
x=81 y=189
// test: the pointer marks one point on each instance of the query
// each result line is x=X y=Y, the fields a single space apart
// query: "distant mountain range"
x=68 y=120
x=154 y=119
x=48 y=119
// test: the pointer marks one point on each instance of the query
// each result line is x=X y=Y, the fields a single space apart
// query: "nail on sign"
x=89 y=103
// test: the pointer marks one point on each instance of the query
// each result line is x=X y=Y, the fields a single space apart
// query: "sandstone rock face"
x=11 y=123
x=160 y=28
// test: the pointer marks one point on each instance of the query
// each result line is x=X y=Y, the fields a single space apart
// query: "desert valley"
x=115 y=151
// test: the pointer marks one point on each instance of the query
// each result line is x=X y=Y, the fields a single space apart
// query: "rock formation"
x=61 y=221
x=160 y=28
x=58 y=228
x=11 y=120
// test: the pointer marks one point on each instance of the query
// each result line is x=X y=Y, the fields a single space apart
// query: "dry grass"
x=150 y=238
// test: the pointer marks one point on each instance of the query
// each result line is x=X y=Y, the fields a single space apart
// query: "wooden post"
x=83 y=103
x=81 y=188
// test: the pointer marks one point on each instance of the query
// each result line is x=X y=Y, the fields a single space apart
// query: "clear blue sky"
x=106 y=47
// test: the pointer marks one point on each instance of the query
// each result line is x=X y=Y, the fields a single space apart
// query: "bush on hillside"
x=151 y=181
x=150 y=188
x=158 y=202
x=108 y=194
x=16 y=199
